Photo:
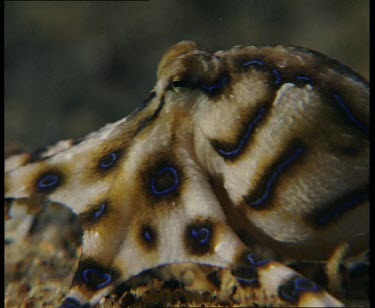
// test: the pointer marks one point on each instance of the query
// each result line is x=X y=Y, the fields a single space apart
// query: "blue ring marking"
x=313 y=287
x=107 y=277
x=256 y=263
x=205 y=231
x=70 y=302
x=108 y=160
x=211 y=88
x=275 y=72
x=298 y=289
x=48 y=181
x=247 y=281
x=251 y=62
x=99 y=211
x=349 y=114
x=277 y=76
x=274 y=176
x=304 y=78
x=338 y=210
x=147 y=236
x=243 y=141
x=167 y=190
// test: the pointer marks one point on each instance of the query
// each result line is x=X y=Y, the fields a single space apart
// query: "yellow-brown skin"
x=201 y=108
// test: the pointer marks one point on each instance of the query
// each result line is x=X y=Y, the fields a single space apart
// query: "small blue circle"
x=205 y=233
x=303 y=284
x=147 y=236
x=107 y=161
x=252 y=259
x=171 y=170
x=48 y=181
x=98 y=274
x=99 y=211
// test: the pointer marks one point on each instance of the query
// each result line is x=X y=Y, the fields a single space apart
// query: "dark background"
x=71 y=67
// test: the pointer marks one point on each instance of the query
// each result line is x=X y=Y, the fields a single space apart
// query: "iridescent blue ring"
x=147 y=236
x=298 y=288
x=108 y=160
x=312 y=286
x=107 y=277
x=48 y=181
x=205 y=231
x=251 y=256
x=169 y=189
x=99 y=210
x=247 y=281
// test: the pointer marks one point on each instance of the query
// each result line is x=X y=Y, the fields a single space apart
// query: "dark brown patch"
x=294 y=287
x=259 y=198
x=49 y=180
x=148 y=237
x=301 y=80
x=95 y=213
x=94 y=275
x=214 y=279
x=341 y=106
x=117 y=145
x=199 y=237
x=71 y=302
x=230 y=151
x=165 y=179
x=215 y=87
x=323 y=60
x=109 y=160
x=245 y=235
x=352 y=148
x=329 y=212
x=119 y=141
x=162 y=179
x=171 y=284
x=212 y=86
x=247 y=62
x=195 y=75
x=245 y=269
x=312 y=269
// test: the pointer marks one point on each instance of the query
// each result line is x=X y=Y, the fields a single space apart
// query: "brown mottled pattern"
x=276 y=135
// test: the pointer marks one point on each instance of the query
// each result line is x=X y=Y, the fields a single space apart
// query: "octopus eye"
x=180 y=85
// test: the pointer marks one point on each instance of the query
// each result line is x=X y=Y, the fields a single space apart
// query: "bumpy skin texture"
x=260 y=143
